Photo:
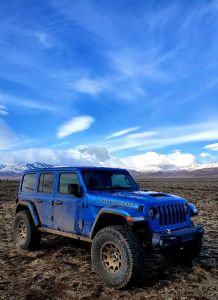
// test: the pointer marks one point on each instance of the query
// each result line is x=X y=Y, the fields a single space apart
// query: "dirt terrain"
x=61 y=268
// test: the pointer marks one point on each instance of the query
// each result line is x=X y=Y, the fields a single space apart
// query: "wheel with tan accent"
x=24 y=232
x=117 y=255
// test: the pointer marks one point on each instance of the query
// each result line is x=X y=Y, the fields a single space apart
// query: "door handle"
x=58 y=202
x=39 y=200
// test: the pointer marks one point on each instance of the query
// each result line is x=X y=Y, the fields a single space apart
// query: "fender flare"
x=31 y=208
x=128 y=216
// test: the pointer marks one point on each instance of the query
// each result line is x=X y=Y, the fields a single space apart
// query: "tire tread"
x=134 y=248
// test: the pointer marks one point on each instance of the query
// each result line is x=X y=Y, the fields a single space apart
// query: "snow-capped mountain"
x=17 y=170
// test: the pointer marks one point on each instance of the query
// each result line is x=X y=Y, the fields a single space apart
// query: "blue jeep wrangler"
x=105 y=207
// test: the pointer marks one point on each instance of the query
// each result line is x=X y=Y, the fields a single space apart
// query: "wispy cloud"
x=130 y=58
x=10 y=139
x=7 y=136
x=122 y=132
x=136 y=65
x=3 y=110
x=139 y=57
x=89 y=86
x=74 y=125
x=164 y=137
x=212 y=147
x=142 y=135
x=45 y=39
x=27 y=103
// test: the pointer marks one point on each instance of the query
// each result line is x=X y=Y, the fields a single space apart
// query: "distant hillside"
x=204 y=172
x=17 y=170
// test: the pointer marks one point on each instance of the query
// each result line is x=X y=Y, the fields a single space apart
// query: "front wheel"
x=183 y=254
x=24 y=233
x=117 y=255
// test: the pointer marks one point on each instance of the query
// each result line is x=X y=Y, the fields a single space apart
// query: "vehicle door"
x=68 y=203
x=44 y=197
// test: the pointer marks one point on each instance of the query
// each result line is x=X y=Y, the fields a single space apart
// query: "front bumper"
x=177 y=238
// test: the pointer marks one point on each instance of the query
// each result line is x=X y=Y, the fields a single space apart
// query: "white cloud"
x=205 y=155
x=122 y=132
x=3 y=110
x=99 y=156
x=89 y=86
x=153 y=161
x=212 y=147
x=74 y=157
x=100 y=153
x=76 y=124
x=208 y=158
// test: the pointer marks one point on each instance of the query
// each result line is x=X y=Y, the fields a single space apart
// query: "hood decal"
x=119 y=203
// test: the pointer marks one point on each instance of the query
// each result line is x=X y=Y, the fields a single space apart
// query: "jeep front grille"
x=172 y=214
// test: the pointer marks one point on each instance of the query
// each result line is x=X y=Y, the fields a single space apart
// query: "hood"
x=147 y=198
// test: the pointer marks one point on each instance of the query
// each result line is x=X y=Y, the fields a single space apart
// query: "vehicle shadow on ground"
x=158 y=271
x=52 y=242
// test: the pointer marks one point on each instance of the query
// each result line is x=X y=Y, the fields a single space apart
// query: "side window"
x=67 y=182
x=28 y=183
x=46 y=183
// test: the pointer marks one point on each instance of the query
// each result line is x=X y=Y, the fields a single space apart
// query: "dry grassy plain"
x=60 y=269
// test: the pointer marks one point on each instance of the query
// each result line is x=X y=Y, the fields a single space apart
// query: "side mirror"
x=75 y=190
x=141 y=189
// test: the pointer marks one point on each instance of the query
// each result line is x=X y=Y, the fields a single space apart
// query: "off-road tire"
x=31 y=238
x=184 y=255
x=130 y=251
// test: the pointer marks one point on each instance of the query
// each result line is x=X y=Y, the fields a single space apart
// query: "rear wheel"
x=184 y=254
x=117 y=255
x=24 y=232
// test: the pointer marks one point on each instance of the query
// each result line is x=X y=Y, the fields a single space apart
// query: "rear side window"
x=46 y=183
x=66 y=181
x=28 y=183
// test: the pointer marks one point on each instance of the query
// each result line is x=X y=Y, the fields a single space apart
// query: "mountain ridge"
x=10 y=171
x=17 y=170
x=200 y=172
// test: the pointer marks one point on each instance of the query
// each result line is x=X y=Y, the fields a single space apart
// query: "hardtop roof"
x=50 y=169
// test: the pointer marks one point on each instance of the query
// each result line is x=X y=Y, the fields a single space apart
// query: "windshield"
x=109 y=180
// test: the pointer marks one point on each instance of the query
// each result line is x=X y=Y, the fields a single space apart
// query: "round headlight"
x=193 y=210
x=151 y=213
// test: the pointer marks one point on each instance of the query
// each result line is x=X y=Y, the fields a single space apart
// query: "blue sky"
x=128 y=83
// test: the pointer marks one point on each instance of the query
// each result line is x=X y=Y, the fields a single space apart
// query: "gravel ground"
x=61 y=268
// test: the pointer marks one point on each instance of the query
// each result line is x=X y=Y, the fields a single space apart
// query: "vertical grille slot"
x=160 y=215
x=172 y=214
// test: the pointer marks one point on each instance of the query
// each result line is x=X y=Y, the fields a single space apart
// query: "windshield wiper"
x=123 y=188
x=112 y=189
